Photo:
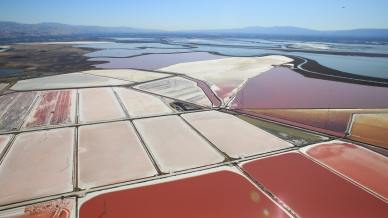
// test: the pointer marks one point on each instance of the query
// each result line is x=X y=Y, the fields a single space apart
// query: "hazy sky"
x=201 y=14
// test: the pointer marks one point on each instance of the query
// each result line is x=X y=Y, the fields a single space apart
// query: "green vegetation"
x=295 y=136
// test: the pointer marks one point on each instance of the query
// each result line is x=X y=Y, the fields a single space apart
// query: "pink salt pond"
x=38 y=164
x=97 y=104
x=111 y=153
x=358 y=164
x=234 y=136
x=318 y=104
x=175 y=145
x=60 y=208
x=283 y=88
x=311 y=190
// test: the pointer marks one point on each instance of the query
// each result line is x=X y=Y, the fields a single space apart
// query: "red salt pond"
x=283 y=88
x=53 y=108
x=154 y=61
x=310 y=190
x=61 y=208
x=219 y=194
x=111 y=153
x=359 y=164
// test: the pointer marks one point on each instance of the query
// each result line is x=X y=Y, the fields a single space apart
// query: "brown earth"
x=44 y=59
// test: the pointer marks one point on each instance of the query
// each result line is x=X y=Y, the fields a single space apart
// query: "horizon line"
x=196 y=29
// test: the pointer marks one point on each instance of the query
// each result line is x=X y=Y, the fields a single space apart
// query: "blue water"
x=119 y=45
x=122 y=53
x=366 y=66
x=7 y=72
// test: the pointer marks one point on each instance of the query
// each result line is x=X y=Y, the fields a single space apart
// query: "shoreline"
x=327 y=73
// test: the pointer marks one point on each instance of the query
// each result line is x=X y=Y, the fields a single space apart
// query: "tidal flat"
x=32 y=60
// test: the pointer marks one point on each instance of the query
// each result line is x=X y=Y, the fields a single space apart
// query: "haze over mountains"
x=297 y=31
x=18 y=30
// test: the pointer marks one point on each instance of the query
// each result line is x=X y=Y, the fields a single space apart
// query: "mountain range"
x=19 y=30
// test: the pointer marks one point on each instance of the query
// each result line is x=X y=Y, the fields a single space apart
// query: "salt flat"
x=71 y=80
x=127 y=74
x=3 y=85
x=226 y=75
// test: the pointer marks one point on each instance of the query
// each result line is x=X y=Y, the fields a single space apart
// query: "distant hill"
x=18 y=30
x=14 y=30
x=297 y=31
x=262 y=30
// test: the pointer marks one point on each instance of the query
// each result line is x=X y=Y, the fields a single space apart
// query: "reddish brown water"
x=222 y=194
x=313 y=191
x=361 y=165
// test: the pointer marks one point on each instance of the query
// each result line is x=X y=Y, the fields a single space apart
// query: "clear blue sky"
x=201 y=14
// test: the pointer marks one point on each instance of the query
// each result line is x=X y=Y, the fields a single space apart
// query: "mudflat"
x=37 y=60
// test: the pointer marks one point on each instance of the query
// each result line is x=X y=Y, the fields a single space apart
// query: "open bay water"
x=355 y=64
x=9 y=72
